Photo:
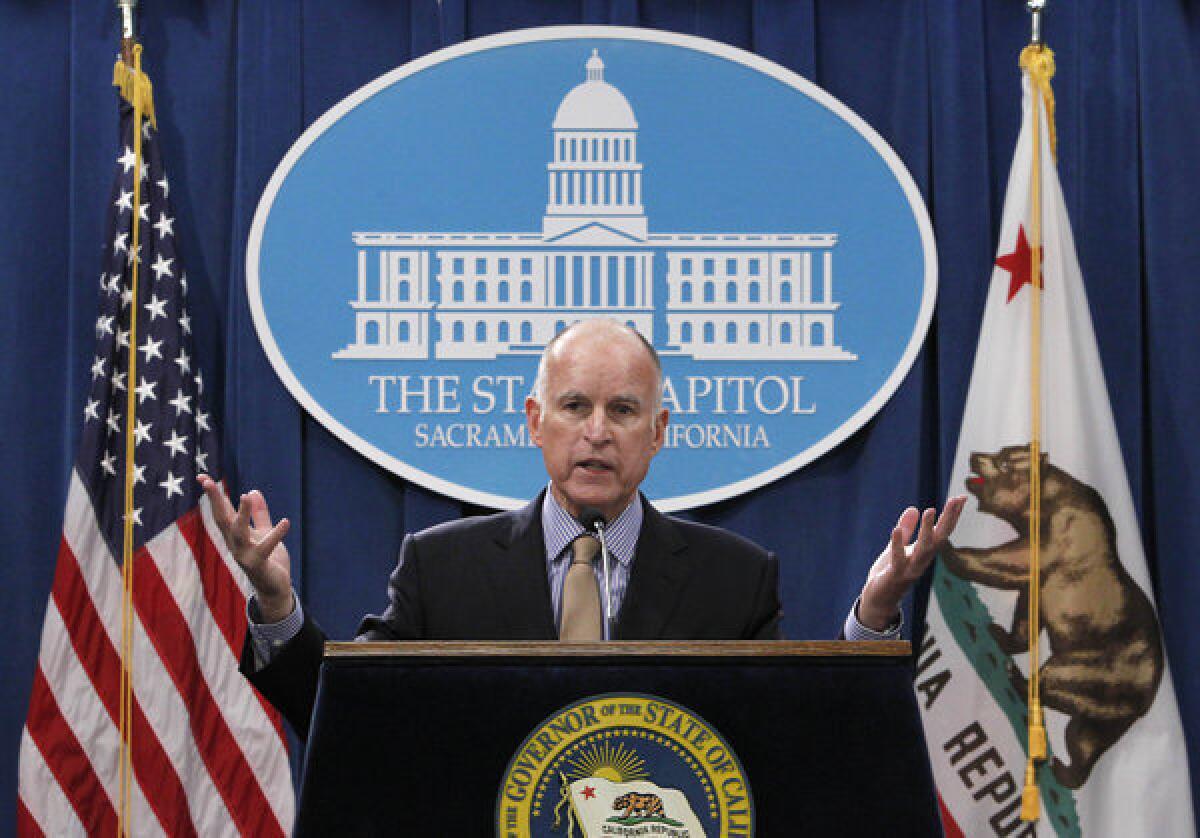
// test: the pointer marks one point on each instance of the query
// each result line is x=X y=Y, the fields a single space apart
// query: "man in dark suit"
x=596 y=413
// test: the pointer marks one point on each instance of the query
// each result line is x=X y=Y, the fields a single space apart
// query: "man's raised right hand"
x=257 y=546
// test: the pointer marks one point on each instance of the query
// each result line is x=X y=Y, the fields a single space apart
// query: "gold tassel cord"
x=135 y=88
x=1038 y=63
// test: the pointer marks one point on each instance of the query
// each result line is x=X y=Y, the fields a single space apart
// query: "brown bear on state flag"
x=1106 y=658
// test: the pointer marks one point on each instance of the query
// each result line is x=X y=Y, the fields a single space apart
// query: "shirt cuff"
x=854 y=630
x=268 y=639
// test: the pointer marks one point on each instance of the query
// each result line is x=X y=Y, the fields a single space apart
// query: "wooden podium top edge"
x=622 y=649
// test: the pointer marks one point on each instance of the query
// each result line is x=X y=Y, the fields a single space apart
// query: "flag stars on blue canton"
x=127 y=160
x=163 y=225
x=177 y=444
x=170 y=445
x=172 y=485
x=145 y=390
x=161 y=266
x=141 y=432
x=152 y=349
x=182 y=403
x=156 y=307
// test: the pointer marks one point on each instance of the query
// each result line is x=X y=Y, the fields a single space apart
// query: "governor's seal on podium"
x=624 y=764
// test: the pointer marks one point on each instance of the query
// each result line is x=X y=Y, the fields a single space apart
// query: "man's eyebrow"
x=626 y=398
x=572 y=395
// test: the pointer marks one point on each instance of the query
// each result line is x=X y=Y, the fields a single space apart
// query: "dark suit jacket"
x=485 y=579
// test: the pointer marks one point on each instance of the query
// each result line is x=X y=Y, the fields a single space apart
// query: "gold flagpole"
x=1038 y=62
x=135 y=88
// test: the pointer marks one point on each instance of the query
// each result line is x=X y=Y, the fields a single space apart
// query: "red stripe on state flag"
x=949 y=825
x=225 y=599
x=153 y=768
x=227 y=765
x=68 y=761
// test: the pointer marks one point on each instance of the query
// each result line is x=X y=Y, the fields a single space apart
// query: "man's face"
x=598 y=426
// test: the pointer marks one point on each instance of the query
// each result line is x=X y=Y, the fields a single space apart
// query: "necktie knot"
x=584 y=550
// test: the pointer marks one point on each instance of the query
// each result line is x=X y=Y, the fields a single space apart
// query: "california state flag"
x=1116 y=764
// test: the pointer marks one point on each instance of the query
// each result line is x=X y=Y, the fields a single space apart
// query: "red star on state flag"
x=1019 y=264
x=588 y=792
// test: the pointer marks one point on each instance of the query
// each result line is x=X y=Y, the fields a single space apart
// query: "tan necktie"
x=581 y=617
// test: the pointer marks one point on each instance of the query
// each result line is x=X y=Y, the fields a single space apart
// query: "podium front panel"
x=415 y=739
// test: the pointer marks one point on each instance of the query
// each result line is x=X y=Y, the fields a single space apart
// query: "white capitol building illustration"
x=743 y=296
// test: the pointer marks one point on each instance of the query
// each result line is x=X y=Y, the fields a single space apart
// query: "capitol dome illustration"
x=595 y=104
x=468 y=295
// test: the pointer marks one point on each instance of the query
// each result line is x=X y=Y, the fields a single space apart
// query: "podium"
x=445 y=738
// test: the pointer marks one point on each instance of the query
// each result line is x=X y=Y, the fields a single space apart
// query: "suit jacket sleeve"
x=290 y=680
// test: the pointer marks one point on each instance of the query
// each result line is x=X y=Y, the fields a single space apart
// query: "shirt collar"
x=620 y=536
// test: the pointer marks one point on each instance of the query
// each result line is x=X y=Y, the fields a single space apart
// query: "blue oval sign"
x=424 y=239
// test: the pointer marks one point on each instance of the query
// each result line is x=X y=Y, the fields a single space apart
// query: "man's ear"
x=533 y=419
x=660 y=428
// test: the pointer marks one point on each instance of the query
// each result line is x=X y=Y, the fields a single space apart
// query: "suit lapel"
x=518 y=576
x=656 y=580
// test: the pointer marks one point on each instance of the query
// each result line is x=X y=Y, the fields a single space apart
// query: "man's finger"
x=925 y=533
x=950 y=515
x=259 y=513
x=242 y=522
x=907 y=523
x=896 y=550
x=222 y=509
x=272 y=538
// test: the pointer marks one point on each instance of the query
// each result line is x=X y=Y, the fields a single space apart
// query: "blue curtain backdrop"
x=236 y=83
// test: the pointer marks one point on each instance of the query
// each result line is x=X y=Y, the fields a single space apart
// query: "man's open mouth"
x=595 y=466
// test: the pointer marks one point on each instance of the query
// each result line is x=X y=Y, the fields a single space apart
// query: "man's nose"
x=596 y=428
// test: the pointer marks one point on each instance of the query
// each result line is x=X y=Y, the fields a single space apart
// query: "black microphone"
x=593 y=521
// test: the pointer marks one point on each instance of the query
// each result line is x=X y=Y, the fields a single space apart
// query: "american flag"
x=208 y=754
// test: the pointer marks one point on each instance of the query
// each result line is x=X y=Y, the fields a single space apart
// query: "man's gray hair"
x=538 y=392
